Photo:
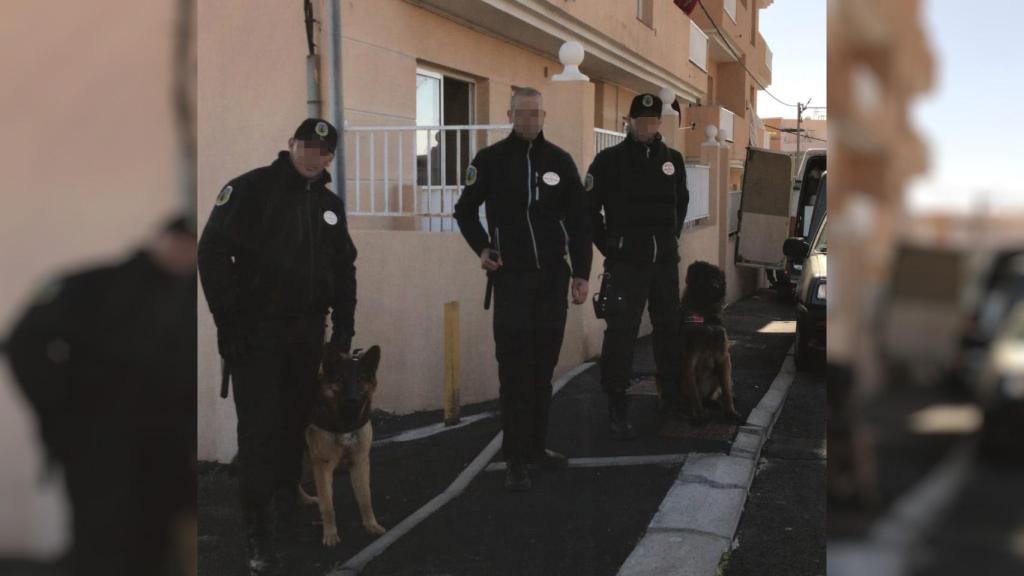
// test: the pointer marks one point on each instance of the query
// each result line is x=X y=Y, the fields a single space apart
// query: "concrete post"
x=569 y=101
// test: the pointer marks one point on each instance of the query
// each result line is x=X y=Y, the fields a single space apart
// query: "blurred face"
x=645 y=127
x=310 y=158
x=527 y=116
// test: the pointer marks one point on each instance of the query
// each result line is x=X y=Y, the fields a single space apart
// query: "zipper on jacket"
x=312 y=256
x=655 y=258
x=566 y=234
x=497 y=239
x=529 y=203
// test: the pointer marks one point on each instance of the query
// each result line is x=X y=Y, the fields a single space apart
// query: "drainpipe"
x=336 y=102
x=313 y=101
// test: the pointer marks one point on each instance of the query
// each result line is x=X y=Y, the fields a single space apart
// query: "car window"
x=821 y=242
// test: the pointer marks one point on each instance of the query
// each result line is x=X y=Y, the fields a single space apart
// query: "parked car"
x=813 y=213
x=783 y=197
x=999 y=290
x=999 y=390
x=811 y=293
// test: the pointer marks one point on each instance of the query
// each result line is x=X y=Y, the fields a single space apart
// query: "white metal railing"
x=606 y=139
x=698 y=46
x=698 y=179
x=768 y=57
x=730 y=9
x=412 y=171
x=725 y=117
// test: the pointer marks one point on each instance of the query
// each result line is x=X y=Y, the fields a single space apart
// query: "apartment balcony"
x=723 y=119
x=619 y=47
x=759 y=61
x=732 y=19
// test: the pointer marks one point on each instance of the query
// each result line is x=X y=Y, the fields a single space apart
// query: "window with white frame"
x=442 y=99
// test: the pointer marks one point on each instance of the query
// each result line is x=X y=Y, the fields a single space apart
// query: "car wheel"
x=801 y=352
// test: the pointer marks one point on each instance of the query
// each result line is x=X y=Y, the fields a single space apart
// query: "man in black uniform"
x=536 y=215
x=106 y=357
x=274 y=256
x=640 y=184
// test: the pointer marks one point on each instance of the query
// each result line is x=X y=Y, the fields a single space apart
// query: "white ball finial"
x=571 y=55
x=710 y=131
x=667 y=98
x=723 y=135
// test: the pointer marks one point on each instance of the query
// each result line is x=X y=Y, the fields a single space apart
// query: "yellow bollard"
x=451 y=364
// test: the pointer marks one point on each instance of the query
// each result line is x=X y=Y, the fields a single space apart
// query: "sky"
x=971 y=119
x=795 y=32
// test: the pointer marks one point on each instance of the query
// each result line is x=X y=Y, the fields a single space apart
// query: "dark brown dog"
x=706 y=364
x=340 y=434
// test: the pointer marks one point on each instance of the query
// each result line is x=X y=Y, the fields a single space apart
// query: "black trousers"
x=657 y=286
x=529 y=322
x=274 y=387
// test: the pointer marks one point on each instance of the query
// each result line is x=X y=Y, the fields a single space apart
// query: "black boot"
x=517 y=478
x=618 y=418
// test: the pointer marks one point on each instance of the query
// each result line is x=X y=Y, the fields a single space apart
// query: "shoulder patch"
x=588 y=183
x=224 y=195
x=470 y=175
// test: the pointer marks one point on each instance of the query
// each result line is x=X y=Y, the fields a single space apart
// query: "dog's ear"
x=368 y=363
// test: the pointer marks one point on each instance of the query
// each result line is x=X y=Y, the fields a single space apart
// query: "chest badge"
x=668 y=168
x=551 y=179
x=330 y=217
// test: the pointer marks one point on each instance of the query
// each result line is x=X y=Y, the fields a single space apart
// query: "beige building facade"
x=426 y=85
x=781 y=134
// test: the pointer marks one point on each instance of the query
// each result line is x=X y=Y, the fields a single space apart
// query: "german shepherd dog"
x=340 y=434
x=706 y=364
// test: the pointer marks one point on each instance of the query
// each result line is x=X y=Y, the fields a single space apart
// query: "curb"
x=355 y=564
x=697 y=521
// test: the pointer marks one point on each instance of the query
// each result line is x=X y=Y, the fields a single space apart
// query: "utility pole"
x=799 y=120
x=800 y=113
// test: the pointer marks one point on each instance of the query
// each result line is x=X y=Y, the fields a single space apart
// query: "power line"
x=740 y=60
x=793 y=130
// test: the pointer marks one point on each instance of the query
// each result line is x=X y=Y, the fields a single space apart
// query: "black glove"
x=230 y=339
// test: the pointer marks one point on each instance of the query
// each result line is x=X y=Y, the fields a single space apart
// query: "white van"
x=778 y=200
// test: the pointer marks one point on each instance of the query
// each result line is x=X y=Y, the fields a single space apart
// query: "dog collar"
x=693 y=319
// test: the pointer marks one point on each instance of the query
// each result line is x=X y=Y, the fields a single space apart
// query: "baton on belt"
x=493 y=256
x=225 y=375
x=488 y=291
